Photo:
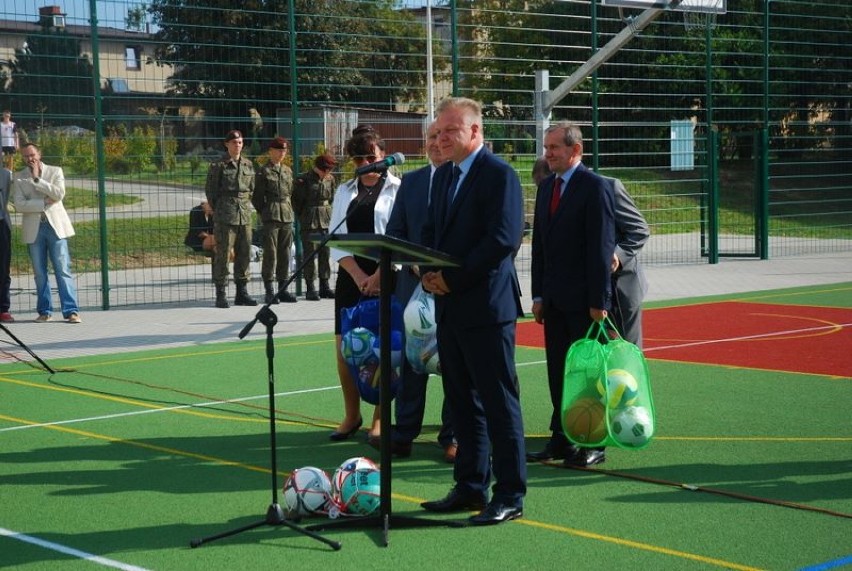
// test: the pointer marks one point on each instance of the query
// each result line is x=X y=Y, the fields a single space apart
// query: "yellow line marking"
x=636 y=545
x=541 y=525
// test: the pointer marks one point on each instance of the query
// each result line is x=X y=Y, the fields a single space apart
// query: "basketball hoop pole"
x=274 y=513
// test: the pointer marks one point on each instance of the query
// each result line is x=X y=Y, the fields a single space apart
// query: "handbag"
x=361 y=348
x=421 y=340
x=606 y=398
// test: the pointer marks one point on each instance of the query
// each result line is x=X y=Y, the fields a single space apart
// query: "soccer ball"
x=632 y=426
x=307 y=491
x=419 y=317
x=622 y=386
x=349 y=466
x=356 y=346
x=360 y=491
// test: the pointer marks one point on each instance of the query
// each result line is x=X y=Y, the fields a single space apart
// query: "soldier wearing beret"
x=313 y=192
x=272 y=190
x=229 y=187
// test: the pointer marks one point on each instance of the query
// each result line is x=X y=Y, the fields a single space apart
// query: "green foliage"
x=347 y=51
x=141 y=146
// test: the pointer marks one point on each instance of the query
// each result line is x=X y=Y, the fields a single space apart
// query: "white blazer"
x=28 y=197
x=346 y=193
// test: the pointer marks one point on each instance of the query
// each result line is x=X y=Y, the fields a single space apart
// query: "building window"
x=133 y=57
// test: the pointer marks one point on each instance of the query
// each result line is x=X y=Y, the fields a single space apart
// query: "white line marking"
x=747 y=337
x=69 y=551
x=158 y=410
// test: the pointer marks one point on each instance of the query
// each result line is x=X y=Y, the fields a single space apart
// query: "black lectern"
x=387 y=250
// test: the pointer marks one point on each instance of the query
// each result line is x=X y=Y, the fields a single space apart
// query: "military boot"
x=311 y=293
x=286 y=296
x=325 y=291
x=270 y=293
x=222 y=297
x=242 y=297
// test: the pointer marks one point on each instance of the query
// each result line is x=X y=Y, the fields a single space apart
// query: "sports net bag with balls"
x=421 y=338
x=606 y=399
x=360 y=347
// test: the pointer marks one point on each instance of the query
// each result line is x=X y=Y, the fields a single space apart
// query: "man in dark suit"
x=572 y=252
x=406 y=222
x=477 y=216
x=628 y=276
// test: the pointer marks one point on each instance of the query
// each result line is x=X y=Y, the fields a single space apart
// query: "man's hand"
x=433 y=282
x=615 y=263
x=538 y=312
x=597 y=314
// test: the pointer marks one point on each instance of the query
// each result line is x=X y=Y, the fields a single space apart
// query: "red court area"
x=793 y=338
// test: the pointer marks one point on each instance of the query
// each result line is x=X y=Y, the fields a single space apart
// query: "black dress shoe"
x=496 y=513
x=585 y=457
x=341 y=436
x=456 y=501
x=398 y=449
x=554 y=450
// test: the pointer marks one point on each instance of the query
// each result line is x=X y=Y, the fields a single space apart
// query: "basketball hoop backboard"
x=713 y=6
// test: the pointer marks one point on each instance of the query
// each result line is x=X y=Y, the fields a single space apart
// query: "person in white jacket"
x=37 y=192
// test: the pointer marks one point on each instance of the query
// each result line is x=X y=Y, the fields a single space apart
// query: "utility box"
x=682 y=145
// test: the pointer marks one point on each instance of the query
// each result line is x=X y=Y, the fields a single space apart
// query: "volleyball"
x=632 y=426
x=585 y=421
x=307 y=491
x=621 y=389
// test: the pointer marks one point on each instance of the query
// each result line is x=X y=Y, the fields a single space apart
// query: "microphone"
x=382 y=165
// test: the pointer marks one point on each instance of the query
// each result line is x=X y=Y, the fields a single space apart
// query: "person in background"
x=200 y=237
x=9 y=139
x=272 y=191
x=313 y=192
x=229 y=187
x=362 y=204
x=5 y=247
x=406 y=222
x=572 y=248
x=477 y=217
x=37 y=192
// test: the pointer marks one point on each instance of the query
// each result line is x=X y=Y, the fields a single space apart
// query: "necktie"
x=454 y=182
x=557 y=194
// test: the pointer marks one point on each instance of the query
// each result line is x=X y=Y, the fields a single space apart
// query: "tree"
x=50 y=76
x=346 y=52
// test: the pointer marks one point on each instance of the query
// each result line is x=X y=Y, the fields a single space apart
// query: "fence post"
x=100 y=165
x=713 y=177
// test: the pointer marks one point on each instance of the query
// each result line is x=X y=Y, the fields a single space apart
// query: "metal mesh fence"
x=133 y=101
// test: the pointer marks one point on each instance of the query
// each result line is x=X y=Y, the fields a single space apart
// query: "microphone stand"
x=275 y=514
x=27 y=349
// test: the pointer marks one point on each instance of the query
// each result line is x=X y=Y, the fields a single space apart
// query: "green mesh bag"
x=606 y=399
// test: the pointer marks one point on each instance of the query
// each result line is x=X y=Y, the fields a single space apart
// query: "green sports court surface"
x=120 y=460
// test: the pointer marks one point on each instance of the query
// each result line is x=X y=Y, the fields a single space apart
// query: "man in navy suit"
x=572 y=252
x=406 y=222
x=476 y=215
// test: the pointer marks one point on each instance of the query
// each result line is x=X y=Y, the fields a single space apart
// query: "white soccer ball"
x=307 y=491
x=632 y=426
x=419 y=316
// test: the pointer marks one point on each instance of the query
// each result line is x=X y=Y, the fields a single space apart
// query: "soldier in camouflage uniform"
x=229 y=187
x=313 y=192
